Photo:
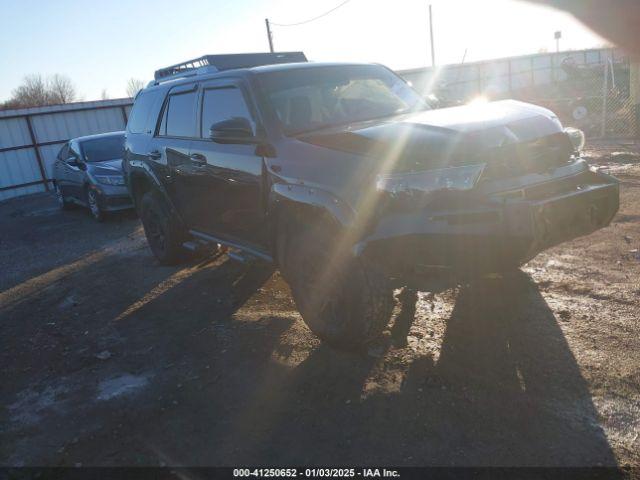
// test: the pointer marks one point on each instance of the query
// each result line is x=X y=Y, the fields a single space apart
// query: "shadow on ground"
x=505 y=389
x=230 y=376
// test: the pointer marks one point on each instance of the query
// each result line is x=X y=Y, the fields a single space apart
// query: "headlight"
x=109 y=179
x=454 y=178
x=577 y=138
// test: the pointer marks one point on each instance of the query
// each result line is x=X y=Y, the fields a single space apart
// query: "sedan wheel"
x=62 y=203
x=94 y=206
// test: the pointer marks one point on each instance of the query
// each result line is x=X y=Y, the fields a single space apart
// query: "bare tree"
x=61 y=89
x=134 y=85
x=104 y=95
x=35 y=91
x=31 y=93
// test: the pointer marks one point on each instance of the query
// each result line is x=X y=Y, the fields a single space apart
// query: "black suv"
x=344 y=177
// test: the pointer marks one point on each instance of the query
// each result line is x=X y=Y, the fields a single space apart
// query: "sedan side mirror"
x=74 y=162
x=232 y=130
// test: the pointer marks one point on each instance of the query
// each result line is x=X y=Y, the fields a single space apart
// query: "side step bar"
x=196 y=245
x=241 y=253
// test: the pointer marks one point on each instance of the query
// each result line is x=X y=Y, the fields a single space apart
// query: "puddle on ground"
x=122 y=385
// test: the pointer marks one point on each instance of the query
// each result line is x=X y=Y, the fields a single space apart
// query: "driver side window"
x=220 y=104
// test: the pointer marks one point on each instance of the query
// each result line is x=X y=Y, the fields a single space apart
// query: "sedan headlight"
x=454 y=178
x=110 y=179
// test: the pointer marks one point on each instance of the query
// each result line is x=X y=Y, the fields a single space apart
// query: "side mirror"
x=74 y=162
x=232 y=130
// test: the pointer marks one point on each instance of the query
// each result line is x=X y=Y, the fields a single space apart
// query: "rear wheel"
x=344 y=300
x=163 y=230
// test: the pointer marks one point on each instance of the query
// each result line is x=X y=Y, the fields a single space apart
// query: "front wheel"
x=62 y=202
x=94 y=205
x=344 y=300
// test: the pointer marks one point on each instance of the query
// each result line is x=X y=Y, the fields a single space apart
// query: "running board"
x=196 y=245
x=244 y=254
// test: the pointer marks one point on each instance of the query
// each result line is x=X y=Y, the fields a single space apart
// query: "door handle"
x=198 y=159
x=154 y=155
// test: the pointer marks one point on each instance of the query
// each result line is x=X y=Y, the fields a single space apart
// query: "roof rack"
x=216 y=63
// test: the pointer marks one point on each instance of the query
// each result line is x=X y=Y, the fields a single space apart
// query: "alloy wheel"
x=93 y=205
x=59 y=196
x=155 y=231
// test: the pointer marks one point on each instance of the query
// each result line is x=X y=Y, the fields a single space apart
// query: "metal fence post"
x=34 y=142
x=604 y=98
x=634 y=94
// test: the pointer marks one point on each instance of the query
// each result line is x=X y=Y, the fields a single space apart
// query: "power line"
x=311 y=19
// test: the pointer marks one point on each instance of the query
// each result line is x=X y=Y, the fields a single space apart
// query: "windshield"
x=101 y=149
x=312 y=98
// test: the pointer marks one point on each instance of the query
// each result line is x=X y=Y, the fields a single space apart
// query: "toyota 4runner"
x=345 y=178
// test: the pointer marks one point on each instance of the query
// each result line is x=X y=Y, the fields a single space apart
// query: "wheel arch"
x=298 y=204
x=139 y=184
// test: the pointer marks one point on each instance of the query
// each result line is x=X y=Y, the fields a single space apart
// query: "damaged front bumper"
x=502 y=231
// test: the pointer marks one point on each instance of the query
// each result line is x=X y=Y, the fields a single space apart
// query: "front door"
x=228 y=177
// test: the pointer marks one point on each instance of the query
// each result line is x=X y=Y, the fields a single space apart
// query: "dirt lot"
x=110 y=359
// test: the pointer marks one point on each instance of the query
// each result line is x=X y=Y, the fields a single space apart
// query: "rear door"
x=227 y=177
x=170 y=147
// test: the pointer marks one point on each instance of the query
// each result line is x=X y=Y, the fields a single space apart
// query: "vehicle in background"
x=88 y=172
x=346 y=179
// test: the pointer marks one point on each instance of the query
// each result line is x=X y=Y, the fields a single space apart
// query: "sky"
x=99 y=45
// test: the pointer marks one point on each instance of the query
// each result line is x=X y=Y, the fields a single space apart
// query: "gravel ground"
x=110 y=359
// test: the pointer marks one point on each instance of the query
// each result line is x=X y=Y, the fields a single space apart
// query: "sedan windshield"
x=313 y=98
x=101 y=149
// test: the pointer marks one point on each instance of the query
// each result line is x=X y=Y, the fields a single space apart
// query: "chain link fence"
x=587 y=89
x=594 y=97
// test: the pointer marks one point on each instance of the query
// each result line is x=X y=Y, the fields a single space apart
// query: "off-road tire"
x=165 y=233
x=345 y=301
x=62 y=203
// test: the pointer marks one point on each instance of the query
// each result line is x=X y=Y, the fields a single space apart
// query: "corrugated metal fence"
x=30 y=139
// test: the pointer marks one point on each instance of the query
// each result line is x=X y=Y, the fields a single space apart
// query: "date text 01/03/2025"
x=315 y=472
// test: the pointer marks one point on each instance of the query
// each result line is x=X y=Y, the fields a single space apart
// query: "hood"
x=450 y=136
x=106 y=167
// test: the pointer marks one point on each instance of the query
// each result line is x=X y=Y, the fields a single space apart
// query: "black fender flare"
x=140 y=171
x=307 y=202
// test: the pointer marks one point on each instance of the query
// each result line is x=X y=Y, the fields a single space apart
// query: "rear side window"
x=222 y=104
x=140 y=116
x=179 y=119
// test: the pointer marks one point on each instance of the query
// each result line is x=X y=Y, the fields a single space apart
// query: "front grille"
x=555 y=188
x=549 y=189
x=537 y=156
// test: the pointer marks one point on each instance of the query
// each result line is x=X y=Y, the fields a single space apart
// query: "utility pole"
x=557 y=35
x=433 y=50
x=269 y=35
